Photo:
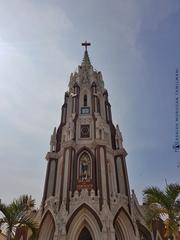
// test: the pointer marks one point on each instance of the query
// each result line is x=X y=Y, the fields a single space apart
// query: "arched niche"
x=88 y=182
x=124 y=228
x=84 y=166
x=47 y=227
x=98 y=105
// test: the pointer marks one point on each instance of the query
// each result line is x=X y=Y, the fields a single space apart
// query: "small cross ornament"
x=86 y=44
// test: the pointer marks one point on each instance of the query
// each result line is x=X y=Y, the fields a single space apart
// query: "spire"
x=86 y=60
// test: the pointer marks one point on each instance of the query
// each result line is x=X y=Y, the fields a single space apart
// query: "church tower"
x=86 y=192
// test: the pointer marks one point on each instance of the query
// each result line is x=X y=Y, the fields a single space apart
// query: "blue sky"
x=136 y=45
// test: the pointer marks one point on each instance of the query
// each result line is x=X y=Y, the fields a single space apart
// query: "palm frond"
x=16 y=214
x=151 y=214
x=26 y=201
x=165 y=205
x=173 y=190
x=4 y=209
x=154 y=195
x=2 y=222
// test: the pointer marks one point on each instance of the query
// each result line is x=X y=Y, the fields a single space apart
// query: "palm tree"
x=164 y=205
x=17 y=215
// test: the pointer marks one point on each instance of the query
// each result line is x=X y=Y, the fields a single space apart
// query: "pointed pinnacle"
x=86 y=60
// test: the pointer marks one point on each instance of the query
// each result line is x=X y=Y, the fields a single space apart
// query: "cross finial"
x=86 y=44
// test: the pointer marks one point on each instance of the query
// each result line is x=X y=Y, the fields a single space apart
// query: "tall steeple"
x=86 y=192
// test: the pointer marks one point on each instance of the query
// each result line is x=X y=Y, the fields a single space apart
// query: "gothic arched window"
x=85 y=100
x=84 y=166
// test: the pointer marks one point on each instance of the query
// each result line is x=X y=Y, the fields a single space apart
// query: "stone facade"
x=86 y=193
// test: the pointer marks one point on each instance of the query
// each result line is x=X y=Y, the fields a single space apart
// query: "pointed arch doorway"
x=85 y=234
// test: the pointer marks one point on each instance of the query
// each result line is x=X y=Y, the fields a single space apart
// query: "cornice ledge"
x=121 y=151
x=51 y=155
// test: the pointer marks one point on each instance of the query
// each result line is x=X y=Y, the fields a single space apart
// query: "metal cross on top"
x=86 y=44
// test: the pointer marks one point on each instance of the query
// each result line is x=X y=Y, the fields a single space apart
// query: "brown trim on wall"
x=124 y=168
x=92 y=100
x=116 y=171
x=107 y=181
x=59 y=137
x=76 y=114
x=72 y=106
x=77 y=102
x=95 y=173
x=98 y=105
x=71 y=175
x=110 y=112
x=62 y=178
x=69 y=178
x=94 y=120
x=99 y=176
x=65 y=112
x=55 y=177
x=74 y=177
x=59 y=131
x=111 y=125
x=113 y=135
x=107 y=109
x=125 y=174
x=46 y=182
x=126 y=181
x=93 y=109
x=75 y=126
x=62 y=123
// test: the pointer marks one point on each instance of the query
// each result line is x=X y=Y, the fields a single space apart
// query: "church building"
x=86 y=191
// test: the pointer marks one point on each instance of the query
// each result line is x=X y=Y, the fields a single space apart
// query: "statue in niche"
x=85 y=167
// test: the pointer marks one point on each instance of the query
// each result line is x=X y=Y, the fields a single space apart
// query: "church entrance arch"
x=84 y=223
x=85 y=234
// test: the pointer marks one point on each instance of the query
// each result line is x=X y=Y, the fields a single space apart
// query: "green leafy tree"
x=17 y=215
x=163 y=205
